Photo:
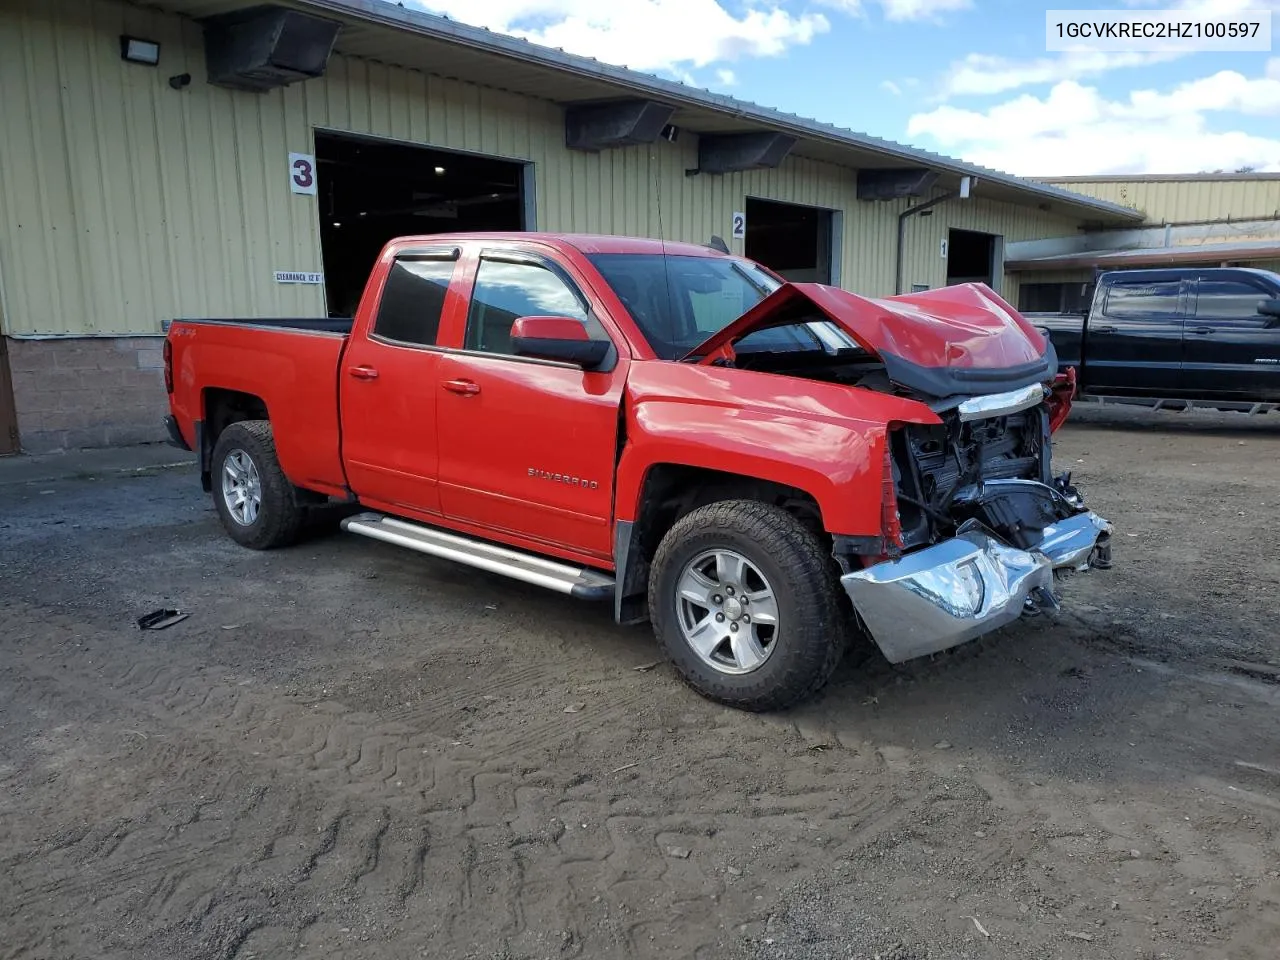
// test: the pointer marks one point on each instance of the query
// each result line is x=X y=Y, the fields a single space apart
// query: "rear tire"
x=744 y=556
x=256 y=503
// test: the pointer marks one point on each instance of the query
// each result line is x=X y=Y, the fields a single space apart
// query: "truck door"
x=1230 y=349
x=1134 y=344
x=529 y=446
x=388 y=383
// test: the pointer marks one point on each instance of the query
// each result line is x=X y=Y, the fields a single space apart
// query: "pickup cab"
x=1208 y=336
x=764 y=470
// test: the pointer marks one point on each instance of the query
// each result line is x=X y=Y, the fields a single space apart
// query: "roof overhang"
x=389 y=33
x=1151 y=256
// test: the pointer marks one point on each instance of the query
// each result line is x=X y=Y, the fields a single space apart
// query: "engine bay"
x=994 y=470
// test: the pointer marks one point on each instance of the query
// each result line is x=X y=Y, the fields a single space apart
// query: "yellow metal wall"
x=124 y=202
x=922 y=243
x=1181 y=201
x=1046 y=276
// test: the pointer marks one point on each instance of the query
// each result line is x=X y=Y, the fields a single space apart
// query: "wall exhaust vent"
x=261 y=48
x=895 y=183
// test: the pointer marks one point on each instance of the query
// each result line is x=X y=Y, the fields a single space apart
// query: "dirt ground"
x=351 y=751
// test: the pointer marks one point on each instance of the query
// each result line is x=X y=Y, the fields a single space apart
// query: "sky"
x=967 y=78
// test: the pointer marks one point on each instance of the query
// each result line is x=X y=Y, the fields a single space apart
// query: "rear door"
x=1134 y=343
x=528 y=447
x=1231 y=350
x=388 y=384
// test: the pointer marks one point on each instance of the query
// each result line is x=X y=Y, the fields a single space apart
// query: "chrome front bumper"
x=961 y=588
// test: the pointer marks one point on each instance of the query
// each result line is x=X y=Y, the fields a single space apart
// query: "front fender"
x=825 y=439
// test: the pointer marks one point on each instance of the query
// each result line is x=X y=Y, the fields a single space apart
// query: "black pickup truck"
x=1207 y=336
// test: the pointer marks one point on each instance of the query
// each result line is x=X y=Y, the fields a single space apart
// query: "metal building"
x=205 y=158
x=1190 y=220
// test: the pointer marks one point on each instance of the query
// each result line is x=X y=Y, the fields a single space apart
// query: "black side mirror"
x=558 y=338
x=1271 y=309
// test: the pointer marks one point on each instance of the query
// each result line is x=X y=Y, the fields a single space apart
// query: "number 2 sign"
x=739 y=226
x=302 y=173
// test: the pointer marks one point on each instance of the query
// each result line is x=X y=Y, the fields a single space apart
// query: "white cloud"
x=1207 y=7
x=669 y=35
x=891 y=87
x=1225 y=91
x=1076 y=131
x=901 y=10
x=980 y=74
x=921 y=9
x=727 y=78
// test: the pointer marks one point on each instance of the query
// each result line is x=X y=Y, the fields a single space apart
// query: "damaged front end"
x=985 y=529
x=975 y=528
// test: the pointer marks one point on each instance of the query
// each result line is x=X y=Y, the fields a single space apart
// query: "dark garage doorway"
x=792 y=240
x=971 y=257
x=372 y=190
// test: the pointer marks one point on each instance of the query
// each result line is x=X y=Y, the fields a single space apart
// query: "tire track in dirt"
x=473 y=845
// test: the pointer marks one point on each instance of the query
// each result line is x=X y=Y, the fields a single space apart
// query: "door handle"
x=466 y=388
x=363 y=373
x=1202 y=330
x=1104 y=329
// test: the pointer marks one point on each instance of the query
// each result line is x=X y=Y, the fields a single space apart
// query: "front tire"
x=256 y=503
x=744 y=603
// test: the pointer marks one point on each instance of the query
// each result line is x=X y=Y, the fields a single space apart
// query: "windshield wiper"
x=755 y=285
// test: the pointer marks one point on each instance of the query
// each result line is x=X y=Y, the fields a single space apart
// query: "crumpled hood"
x=967 y=326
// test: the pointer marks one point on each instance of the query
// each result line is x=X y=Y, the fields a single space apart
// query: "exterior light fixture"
x=137 y=50
x=439 y=171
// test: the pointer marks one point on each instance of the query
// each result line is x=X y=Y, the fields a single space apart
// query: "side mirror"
x=1271 y=308
x=557 y=338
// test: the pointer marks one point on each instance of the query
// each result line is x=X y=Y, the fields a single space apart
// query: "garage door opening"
x=970 y=257
x=371 y=191
x=791 y=240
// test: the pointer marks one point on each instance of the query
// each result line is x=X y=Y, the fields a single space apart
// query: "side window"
x=1143 y=300
x=413 y=300
x=505 y=292
x=1229 y=300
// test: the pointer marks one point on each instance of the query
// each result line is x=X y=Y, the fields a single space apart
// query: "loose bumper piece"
x=958 y=590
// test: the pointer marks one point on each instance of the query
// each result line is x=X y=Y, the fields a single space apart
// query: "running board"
x=527 y=567
x=1252 y=408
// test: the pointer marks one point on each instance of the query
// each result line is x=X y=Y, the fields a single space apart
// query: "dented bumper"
x=957 y=590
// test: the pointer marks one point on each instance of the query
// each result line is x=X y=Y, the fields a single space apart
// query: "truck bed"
x=289 y=364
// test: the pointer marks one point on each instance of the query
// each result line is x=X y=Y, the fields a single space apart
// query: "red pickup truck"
x=762 y=469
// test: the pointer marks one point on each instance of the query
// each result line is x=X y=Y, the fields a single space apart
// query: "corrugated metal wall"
x=124 y=202
x=922 y=242
x=1180 y=201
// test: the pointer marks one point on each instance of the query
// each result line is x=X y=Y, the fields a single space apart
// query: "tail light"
x=890 y=521
x=167 y=350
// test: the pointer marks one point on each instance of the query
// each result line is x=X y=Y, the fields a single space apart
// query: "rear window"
x=1152 y=298
x=413 y=300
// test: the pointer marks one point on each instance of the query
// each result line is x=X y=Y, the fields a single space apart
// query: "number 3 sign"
x=302 y=173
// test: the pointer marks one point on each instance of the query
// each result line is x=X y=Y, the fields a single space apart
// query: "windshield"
x=678 y=302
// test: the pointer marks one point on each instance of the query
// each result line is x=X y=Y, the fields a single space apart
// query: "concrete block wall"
x=73 y=393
